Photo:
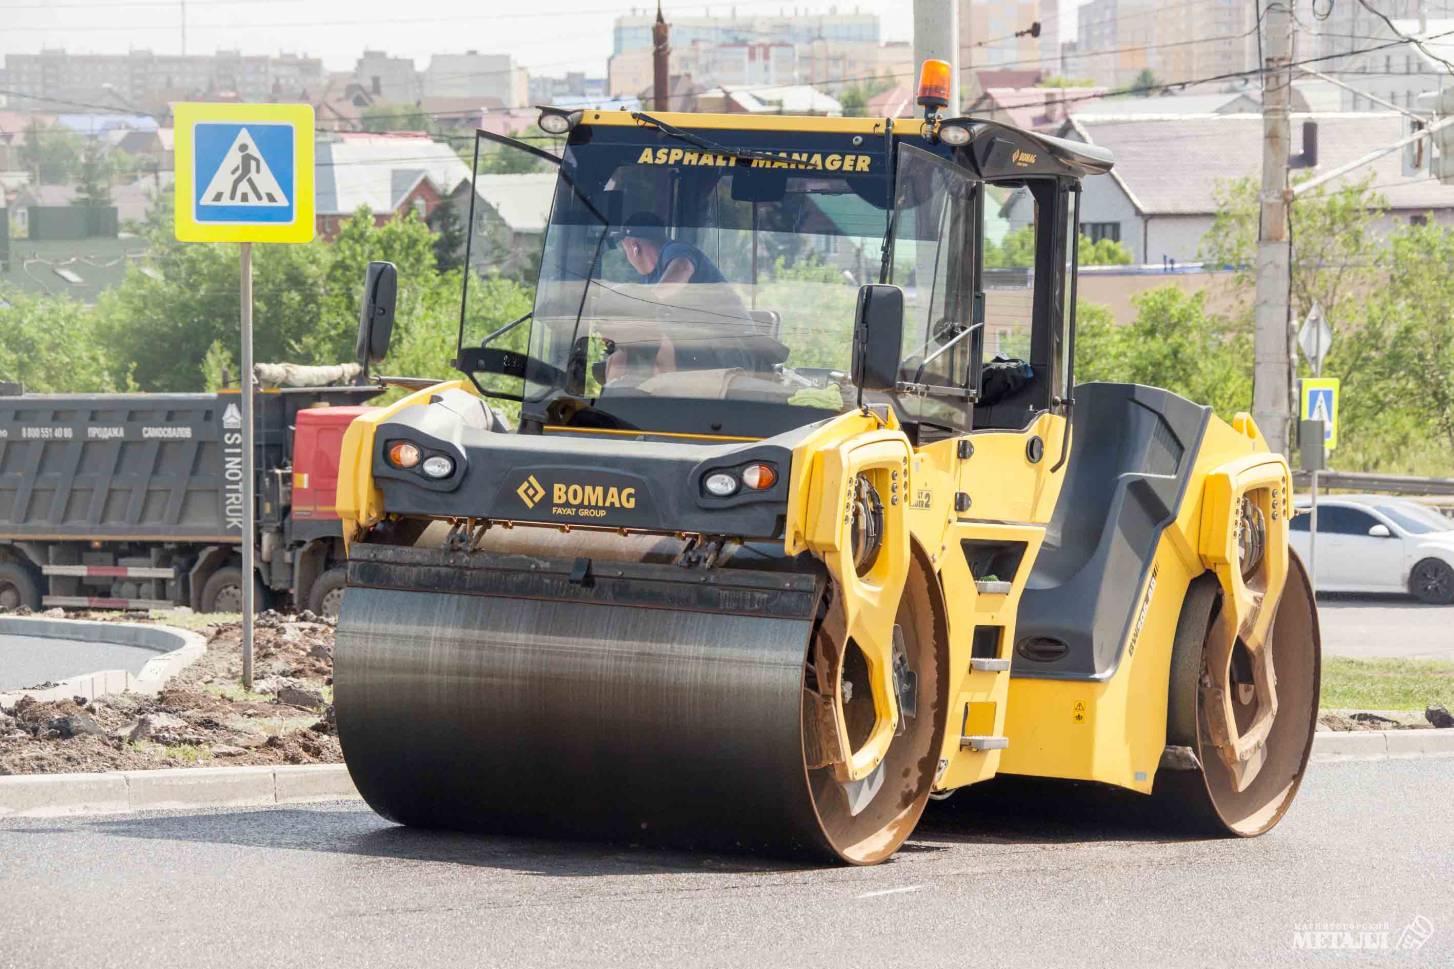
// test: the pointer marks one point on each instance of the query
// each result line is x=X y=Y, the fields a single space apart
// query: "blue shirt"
x=703 y=270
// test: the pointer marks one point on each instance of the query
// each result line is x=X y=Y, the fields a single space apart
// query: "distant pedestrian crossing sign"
x=1320 y=403
x=244 y=172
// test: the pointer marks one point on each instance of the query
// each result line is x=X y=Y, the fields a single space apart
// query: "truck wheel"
x=17 y=588
x=1432 y=582
x=327 y=593
x=223 y=592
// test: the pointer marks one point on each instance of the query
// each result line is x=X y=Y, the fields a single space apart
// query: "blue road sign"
x=243 y=173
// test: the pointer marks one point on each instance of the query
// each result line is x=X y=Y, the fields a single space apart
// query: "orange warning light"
x=934 y=79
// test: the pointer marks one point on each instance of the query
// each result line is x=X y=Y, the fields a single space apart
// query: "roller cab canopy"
x=700 y=274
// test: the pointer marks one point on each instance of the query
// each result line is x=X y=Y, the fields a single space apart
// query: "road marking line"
x=891 y=891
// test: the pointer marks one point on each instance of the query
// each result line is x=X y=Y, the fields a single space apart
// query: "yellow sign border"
x=1309 y=384
x=186 y=117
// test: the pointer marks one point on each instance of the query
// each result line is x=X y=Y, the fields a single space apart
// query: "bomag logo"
x=530 y=491
x=589 y=501
x=1023 y=158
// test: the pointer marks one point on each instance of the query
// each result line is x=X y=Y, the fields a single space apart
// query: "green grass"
x=188 y=754
x=193 y=620
x=235 y=693
x=1386 y=684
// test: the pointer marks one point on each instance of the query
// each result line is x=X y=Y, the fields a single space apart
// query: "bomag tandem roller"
x=778 y=514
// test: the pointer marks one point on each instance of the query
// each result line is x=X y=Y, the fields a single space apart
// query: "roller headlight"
x=953 y=134
x=720 y=484
x=437 y=466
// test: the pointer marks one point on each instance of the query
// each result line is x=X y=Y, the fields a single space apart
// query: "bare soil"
x=202 y=718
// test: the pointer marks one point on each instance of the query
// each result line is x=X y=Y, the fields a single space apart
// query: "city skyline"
x=340 y=32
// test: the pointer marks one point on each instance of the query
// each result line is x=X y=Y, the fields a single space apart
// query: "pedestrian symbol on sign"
x=1320 y=403
x=244 y=173
x=243 y=178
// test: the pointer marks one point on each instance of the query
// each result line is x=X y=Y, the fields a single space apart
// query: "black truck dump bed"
x=140 y=466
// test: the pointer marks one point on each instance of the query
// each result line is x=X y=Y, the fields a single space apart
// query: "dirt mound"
x=203 y=716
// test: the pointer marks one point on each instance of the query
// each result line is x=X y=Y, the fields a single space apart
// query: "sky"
x=546 y=36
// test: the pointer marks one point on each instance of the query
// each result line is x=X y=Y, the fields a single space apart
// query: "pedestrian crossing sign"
x=244 y=172
x=1320 y=403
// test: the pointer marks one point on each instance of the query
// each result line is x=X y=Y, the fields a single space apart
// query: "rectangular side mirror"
x=376 y=317
x=878 y=337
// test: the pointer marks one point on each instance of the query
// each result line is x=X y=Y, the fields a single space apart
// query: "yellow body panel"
x=1114 y=730
x=359 y=502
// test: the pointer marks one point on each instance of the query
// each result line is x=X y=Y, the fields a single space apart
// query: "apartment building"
x=146 y=82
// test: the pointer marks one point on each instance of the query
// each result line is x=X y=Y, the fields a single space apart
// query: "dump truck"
x=782 y=513
x=135 y=501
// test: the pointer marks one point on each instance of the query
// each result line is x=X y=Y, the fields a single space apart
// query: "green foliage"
x=175 y=327
x=449 y=236
x=1386 y=299
x=50 y=345
x=1061 y=81
x=504 y=160
x=93 y=181
x=1411 y=321
x=1145 y=84
x=1017 y=250
x=1173 y=343
x=855 y=97
x=395 y=117
x=219 y=368
x=52 y=154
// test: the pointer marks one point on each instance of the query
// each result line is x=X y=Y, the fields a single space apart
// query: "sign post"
x=244 y=174
x=1314 y=338
x=1319 y=406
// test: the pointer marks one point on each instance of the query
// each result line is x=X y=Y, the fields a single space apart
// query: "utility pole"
x=1272 y=341
x=184 y=27
x=936 y=35
x=660 y=62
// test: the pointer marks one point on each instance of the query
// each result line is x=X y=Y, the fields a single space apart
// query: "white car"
x=1375 y=543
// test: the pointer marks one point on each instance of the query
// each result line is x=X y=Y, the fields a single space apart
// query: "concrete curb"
x=177 y=649
x=1335 y=745
x=176 y=788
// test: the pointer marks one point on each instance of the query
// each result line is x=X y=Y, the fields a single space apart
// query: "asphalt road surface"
x=1366 y=851
x=27 y=661
x=1382 y=627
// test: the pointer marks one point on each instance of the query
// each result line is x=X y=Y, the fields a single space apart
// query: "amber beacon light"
x=934 y=84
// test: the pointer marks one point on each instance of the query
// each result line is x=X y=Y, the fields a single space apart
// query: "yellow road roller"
x=782 y=512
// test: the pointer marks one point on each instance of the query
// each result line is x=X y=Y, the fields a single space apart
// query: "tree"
x=1411 y=318
x=1017 y=250
x=1061 y=81
x=1145 y=84
x=854 y=98
x=505 y=160
x=93 y=182
x=1339 y=261
x=449 y=236
x=51 y=345
x=392 y=117
x=52 y=155
x=1173 y=343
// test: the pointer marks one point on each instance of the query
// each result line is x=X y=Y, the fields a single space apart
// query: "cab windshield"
x=683 y=270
